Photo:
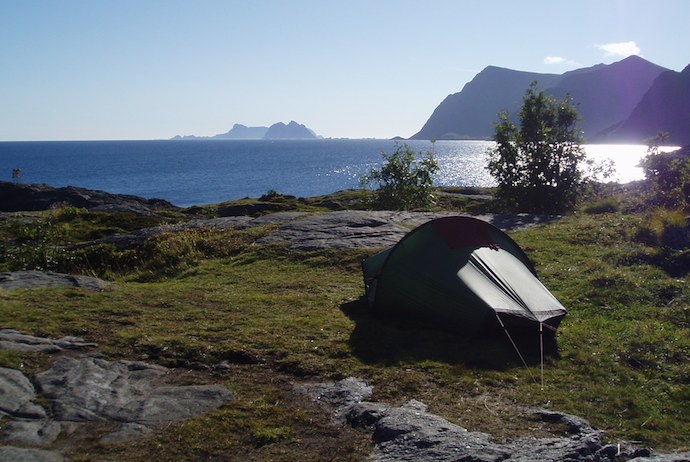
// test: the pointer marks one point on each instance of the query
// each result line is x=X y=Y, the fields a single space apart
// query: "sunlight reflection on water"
x=462 y=163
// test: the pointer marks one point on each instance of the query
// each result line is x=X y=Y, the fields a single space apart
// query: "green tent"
x=461 y=274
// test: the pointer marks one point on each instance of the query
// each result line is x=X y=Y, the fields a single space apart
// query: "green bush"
x=669 y=174
x=404 y=182
x=538 y=165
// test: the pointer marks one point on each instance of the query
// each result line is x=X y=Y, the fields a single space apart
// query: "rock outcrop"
x=15 y=197
x=411 y=433
x=124 y=399
x=31 y=279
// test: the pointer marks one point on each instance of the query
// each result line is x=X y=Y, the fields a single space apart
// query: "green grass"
x=280 y=316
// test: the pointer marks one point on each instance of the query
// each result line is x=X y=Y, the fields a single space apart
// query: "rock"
x=139 y=237
x=17 y=394
x=253 y=209
x=32 y=279
x=33 y=432
x=372 y=229
x=677 y=457
x=410 y=433
x=132 y=397
x=87 y=389
x=340 y=395
x=342 y=229
x=12 y=454
x=15 y=197
x=13 y=340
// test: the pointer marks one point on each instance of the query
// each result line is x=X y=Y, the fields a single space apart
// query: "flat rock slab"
x=346 y=229
x=332 y=230
x=129 y=397
x=11 y=339
x=33 y=279
x=88 y=389
x=136 y=238
x=372 y=229
x=13 y=454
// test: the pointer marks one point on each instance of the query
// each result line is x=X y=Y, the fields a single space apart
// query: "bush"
x=669 y=174
x=404 y=183
x=538 y=165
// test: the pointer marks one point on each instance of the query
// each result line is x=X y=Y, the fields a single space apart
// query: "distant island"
x=277 y=131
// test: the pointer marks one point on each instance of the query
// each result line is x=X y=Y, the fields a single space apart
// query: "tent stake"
x=516 y=349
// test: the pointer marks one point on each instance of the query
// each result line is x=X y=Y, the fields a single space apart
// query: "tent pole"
x=541 y=350
x=516 y=349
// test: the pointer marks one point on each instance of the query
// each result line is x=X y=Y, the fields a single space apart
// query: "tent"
x=460 y=274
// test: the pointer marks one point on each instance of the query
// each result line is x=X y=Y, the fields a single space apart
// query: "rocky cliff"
x=604 y=94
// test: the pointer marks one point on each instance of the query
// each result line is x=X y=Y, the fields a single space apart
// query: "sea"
x=198 y=172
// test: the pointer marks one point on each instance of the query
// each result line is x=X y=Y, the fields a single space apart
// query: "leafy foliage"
x=669 y=174
x=538 y=165
x=404 y=182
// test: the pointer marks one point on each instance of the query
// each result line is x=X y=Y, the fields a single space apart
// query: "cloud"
x=560 y=61
x=622 y=49
x=554 y=60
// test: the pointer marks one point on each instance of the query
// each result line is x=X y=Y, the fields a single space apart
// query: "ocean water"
x=208 y=171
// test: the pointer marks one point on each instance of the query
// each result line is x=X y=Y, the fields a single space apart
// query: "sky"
x=154 y=69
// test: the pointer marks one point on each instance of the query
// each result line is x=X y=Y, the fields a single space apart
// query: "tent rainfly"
x=460 y=274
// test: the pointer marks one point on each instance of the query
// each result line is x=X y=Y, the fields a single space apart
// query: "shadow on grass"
x=390 y=342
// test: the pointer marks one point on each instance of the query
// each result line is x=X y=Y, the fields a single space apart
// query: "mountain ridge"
x=605 y=95
x=665 y=107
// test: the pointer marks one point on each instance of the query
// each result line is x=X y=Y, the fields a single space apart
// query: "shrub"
x=404 y=182
x=538 y=165
x=669 y=174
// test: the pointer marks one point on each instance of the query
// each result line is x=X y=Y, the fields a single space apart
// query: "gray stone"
x=677 y=457
x=89 y=389
x=344 y=229
x=14 y=340
x=21 y=197
x=32 y=432
x=372 y=229
x=13 y=454
x=32 y=279
x=17 y=394
x=411 y=433
x=344 y=393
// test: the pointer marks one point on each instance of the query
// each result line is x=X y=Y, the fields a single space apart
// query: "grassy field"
x=191 y=300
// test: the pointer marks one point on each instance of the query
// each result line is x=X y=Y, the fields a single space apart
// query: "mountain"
x=291 y=131
x=242 y=132
x=664 y=108
x=604 y=94
x=277 y=131
x=469 y=114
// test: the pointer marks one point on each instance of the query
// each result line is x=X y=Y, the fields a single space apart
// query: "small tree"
x=668 y=173
x=404 y=182
x=538 y=165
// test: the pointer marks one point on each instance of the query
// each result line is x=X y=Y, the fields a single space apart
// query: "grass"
x=278 y=317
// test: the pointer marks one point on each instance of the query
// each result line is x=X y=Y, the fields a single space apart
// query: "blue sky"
x=152 y=69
